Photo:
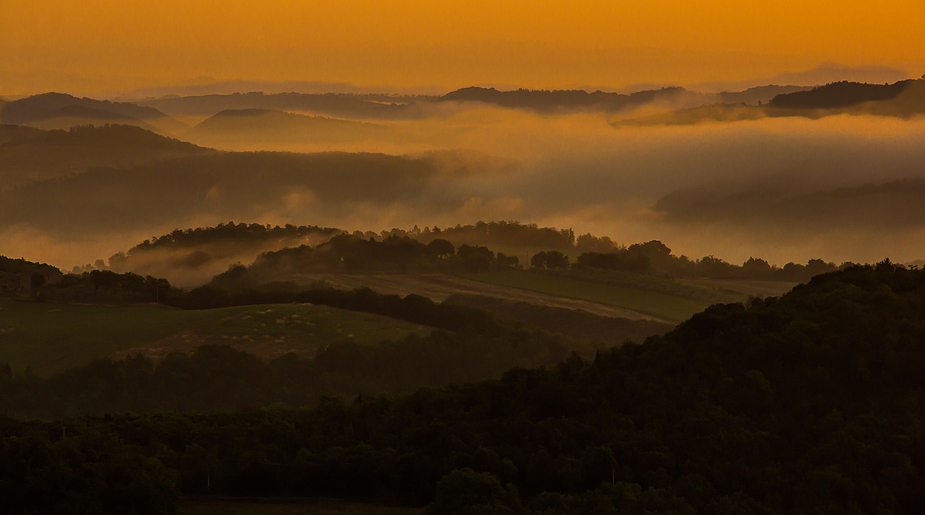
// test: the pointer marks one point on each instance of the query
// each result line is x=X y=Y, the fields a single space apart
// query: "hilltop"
x=902 y=99
x=264 y=128
x=63 y=111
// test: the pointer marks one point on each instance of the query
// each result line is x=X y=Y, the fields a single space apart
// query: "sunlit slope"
x=53 y=337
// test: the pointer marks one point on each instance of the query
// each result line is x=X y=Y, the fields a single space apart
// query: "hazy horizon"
x=784 y=189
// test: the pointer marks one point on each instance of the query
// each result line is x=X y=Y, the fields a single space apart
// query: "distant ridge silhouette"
x=841 y=94
x=546 y=100
x=237 y=127
x=45 y=108
x=341 y=105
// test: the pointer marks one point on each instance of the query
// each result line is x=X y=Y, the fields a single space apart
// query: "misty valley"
x=484 y=301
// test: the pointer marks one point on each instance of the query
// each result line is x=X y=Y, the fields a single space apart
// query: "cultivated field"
x=749 y=288
x=657 y=304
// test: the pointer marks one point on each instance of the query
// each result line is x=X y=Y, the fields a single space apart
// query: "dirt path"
x=440 y=286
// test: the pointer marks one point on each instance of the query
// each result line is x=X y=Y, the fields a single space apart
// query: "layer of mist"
x=691 y=187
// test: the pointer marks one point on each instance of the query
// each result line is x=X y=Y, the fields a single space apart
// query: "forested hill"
x=103 y=136
x=807 y=403
x=62 y=111
x=844 y=94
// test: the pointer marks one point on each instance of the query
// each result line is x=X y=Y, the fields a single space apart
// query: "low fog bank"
x=785 y=189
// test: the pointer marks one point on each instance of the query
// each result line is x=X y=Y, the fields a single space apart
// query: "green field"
x=51 y=337
x=317 y=507
x=673 y=308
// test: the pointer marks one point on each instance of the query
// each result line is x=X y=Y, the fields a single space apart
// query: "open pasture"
x=50 y=337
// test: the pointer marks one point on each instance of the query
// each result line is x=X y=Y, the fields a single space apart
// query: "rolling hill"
x=28 y=154
x=63 y=111
x=263 y=128
x=51 y=337
x=340 y=105
x=903 y=99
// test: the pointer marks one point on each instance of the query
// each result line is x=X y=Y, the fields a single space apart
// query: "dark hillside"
x=46 y=105
x=105 y=136
x=758 y=94
x=12 y=132
x=840 y=94
x=44 y=109
x=30 y=155
x=807 y=403
x=168 y=191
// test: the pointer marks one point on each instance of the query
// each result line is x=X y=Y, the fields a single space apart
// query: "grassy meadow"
x=51 y=337
x=672 y=307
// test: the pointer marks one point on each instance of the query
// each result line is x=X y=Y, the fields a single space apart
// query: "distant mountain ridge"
x=546 y=100
x=342 y=105
x=121 y=136
x=43 y=110
x=262 y=127
x=903 y=99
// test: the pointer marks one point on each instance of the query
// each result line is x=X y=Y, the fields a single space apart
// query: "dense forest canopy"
x=807 y=403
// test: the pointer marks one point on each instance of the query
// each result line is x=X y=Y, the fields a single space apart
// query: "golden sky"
x=113 y=44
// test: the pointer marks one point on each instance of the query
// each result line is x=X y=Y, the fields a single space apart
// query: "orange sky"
x=105 y=45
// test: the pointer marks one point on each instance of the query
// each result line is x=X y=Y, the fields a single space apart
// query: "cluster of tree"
x=807 y=403
x=108 y=286
x=655 y=257
x=551 y=259
x=590 y=243
x=499 y=233
x=196 y=247
x=454 y=248
x=349 y=253
x=231 y=232
x=89 y=470
x=14 y=266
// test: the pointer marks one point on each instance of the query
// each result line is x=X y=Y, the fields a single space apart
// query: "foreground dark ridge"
x=808 y=403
